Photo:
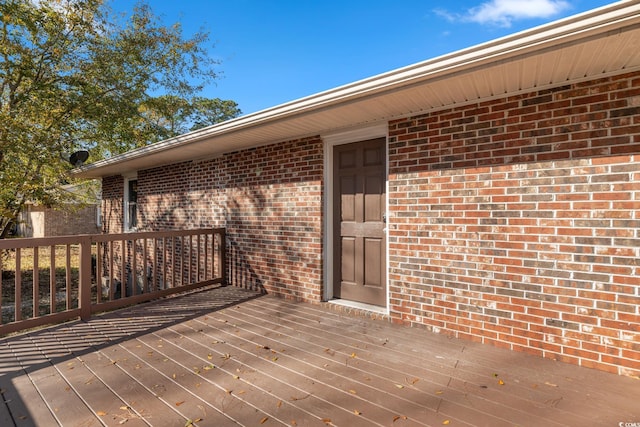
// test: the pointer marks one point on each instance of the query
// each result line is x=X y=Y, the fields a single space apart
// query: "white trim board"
x=330 y=141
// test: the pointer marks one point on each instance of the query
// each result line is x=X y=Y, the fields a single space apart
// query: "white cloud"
x=504 y=12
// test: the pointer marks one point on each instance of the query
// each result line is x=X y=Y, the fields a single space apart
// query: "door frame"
x=330 y=141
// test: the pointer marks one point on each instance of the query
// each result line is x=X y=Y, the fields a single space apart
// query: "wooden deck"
x=226 y=356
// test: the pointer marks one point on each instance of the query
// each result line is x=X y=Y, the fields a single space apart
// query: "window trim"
x=126 y=221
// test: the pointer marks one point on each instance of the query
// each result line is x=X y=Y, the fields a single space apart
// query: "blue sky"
x=275 y=51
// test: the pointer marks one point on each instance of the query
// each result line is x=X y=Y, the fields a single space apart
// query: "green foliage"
x=73 y=75
x=169 y=115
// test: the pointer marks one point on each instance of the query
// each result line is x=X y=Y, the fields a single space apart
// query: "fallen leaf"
x=235 y=377
x=279 y=404
x=399 y=386
x=353 y=392
x=439 y=392
x=550 y=384
x=353 y=355
x=264 y=420
x=209 y=356
x=179 y=403
x=101 y=413
x=274 y=358
x=124 y=408
x=399 y=417
x=446 y=422
x=500 y=382
x=294 y=423
x=413 y=381
x=326 y=420
x=355 y=411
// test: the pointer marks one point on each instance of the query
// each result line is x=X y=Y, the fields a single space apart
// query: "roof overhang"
x=601 y=42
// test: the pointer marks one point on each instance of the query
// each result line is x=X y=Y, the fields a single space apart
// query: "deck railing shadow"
x=58 y=345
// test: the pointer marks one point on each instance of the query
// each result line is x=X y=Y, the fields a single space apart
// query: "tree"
x=74 y=75
x=169 y=115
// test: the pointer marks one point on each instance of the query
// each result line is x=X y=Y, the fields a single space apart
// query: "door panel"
x=373 y=248
x=359 y=225
x=373 y=203
x=347 y=197
x=348 y=259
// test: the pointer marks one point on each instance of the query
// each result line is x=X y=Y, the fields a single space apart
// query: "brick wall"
x=113 y=204
x=40 y=221
x=269 y=200
x=516 y=222
x=73 y=221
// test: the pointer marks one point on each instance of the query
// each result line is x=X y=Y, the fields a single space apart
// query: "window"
x=99 y=215
x=130 y=204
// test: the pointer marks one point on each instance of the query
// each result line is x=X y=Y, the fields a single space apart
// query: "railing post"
x=223 y=256
x=84 y=299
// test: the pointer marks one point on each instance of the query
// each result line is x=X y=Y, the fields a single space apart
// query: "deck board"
x=227 y=356
x=396 y=372
x=384 y=381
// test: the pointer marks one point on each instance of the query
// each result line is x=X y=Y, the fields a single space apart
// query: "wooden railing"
x=50 y=280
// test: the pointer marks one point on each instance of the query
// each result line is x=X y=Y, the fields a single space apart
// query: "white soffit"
x=601 y=42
